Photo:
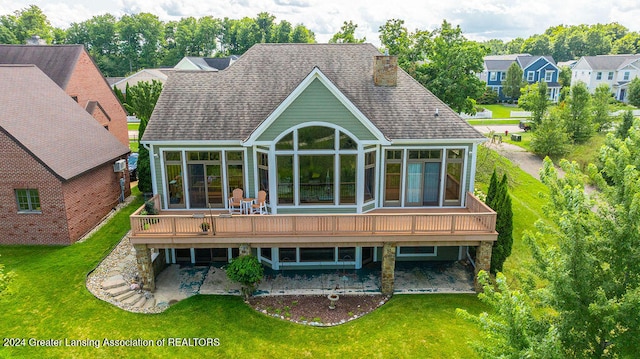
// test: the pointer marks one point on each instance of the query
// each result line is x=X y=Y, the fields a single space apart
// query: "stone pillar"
x=388 y=267
x=145 y=266
x=245 y=249
x=483 y=262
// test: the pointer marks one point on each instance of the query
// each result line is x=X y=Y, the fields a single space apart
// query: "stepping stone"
x=150 y=303
x=132 y=299
x=114 y=292
x=124 y=295
x=113 y=282
x=140 y=303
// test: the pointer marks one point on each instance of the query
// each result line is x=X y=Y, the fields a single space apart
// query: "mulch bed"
x=314 y=309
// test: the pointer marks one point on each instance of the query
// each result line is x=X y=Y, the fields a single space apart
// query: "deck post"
x=483 y=262
x=388 y=267
x=245 y=249
x=145 y=266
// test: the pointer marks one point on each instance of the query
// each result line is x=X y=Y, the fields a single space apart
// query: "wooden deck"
x=420 y=226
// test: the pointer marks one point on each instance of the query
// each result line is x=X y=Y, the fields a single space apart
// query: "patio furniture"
x=259 y=206
x=235 y=201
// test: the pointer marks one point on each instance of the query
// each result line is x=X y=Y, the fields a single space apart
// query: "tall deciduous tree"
x=535 y=99
x=550 y=137
x=627 y=121
x=512 y=84
x=347 y=34
x=578 y=120
x=601 y=104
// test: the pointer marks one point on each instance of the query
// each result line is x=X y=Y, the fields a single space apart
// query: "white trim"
x=474 y=159
x=313 y=75
x=192 y=251
x=432 y=142
x=152 y=167
x=194 y=143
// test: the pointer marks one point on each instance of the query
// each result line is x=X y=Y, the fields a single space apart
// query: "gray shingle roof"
x=230 y=104
x=609 y=62
x=498 y=65
x=56 y=61
x=50 y=125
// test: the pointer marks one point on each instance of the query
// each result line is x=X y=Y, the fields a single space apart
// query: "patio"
x=179 y=282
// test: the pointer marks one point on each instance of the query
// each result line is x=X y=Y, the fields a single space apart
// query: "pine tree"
x=499 y=200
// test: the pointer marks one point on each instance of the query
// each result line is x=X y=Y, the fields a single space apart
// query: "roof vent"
x=437 y=113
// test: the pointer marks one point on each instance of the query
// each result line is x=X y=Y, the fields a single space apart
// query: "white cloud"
x=479 y=19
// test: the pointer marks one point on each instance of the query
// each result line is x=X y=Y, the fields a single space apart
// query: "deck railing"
x=478 y=219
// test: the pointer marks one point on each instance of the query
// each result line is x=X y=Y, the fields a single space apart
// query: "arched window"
x=316 y=165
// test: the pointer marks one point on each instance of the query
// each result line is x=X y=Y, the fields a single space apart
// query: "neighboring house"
x=57 y=178
x=617 y=71
x=73 y=70
x=148 y=75
x=205 y=63
x=361 y=164
x=534 y=68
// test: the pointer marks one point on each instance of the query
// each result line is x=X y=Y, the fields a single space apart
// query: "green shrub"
x=246 y=270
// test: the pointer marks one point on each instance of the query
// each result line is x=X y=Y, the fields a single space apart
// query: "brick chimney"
x=385 y=70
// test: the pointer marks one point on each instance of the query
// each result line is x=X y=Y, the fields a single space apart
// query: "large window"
x=316 y=165
x=28 y=200
x=493 y=76
x=432 y=177
x=548 y=76
x=173 y=171
x=369 y=176
x=530 y=76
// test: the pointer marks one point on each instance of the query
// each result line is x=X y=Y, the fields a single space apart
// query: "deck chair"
x=260 y=204
x=235 y=201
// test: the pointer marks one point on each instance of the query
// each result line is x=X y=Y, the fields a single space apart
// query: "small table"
x=246 y=204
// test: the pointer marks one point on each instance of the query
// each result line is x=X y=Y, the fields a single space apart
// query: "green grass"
x=502 y=111
x=481 y=122
x=133 y=126
x=134 y=145
x=48 y=300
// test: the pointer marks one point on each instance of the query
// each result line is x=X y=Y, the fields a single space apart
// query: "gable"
x=316 y=104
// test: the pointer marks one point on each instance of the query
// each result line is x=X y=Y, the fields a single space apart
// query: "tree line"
x=124 y=45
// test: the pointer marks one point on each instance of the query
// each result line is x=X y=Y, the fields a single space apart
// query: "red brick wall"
x=18 y=170
x=90 y=197
x=88 y=84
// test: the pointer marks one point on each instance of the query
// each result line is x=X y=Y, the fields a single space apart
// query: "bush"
x=246 y=270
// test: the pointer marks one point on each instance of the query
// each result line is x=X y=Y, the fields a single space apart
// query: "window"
x=173 y=171
x=530 y=76
x=610 y=76
x=393 y=178
x=415 y=251
x=626 y=75
x=28 y=200
x=369 y=175
x=318 y=165
x=493 y=76
x=548 y=76
x=599 y=75
x=503 y=76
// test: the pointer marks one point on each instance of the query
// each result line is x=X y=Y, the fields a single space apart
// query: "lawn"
x=48 y=300
x=133 y=126
x=486 y=122
x=501 y=110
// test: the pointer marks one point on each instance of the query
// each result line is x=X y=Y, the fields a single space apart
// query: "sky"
x=479 y=19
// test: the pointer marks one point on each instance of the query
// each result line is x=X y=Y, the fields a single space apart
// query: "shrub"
x=246 y=270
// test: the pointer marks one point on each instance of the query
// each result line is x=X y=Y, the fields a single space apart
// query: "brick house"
x=73 y=70
x=57 y=178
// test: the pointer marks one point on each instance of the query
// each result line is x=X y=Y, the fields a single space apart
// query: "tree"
x=141 y=40
x=628 y=44
x=140 y=100
x=512 y=330
x=578 y=119
x=627 y=121
x=537 y=45
x=396 y=39
x=450 y=70
x=247 y=271
x=495 y=47
x=513 y=82
x=302 y=35
x=633 y=96
x=346 y=34
x=28 y=22
x=601 y=107
x=550 y=137
x=282 y=32
x=515 y=46
x=499 y=200
x=534 y=98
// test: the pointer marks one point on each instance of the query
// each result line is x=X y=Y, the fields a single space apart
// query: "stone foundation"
x=245 y=250
x=145 y=266
x=483 y=262
x=388 y=268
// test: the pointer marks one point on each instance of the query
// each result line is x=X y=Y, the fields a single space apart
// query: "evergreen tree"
x=499 y=200
x=513 y=82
